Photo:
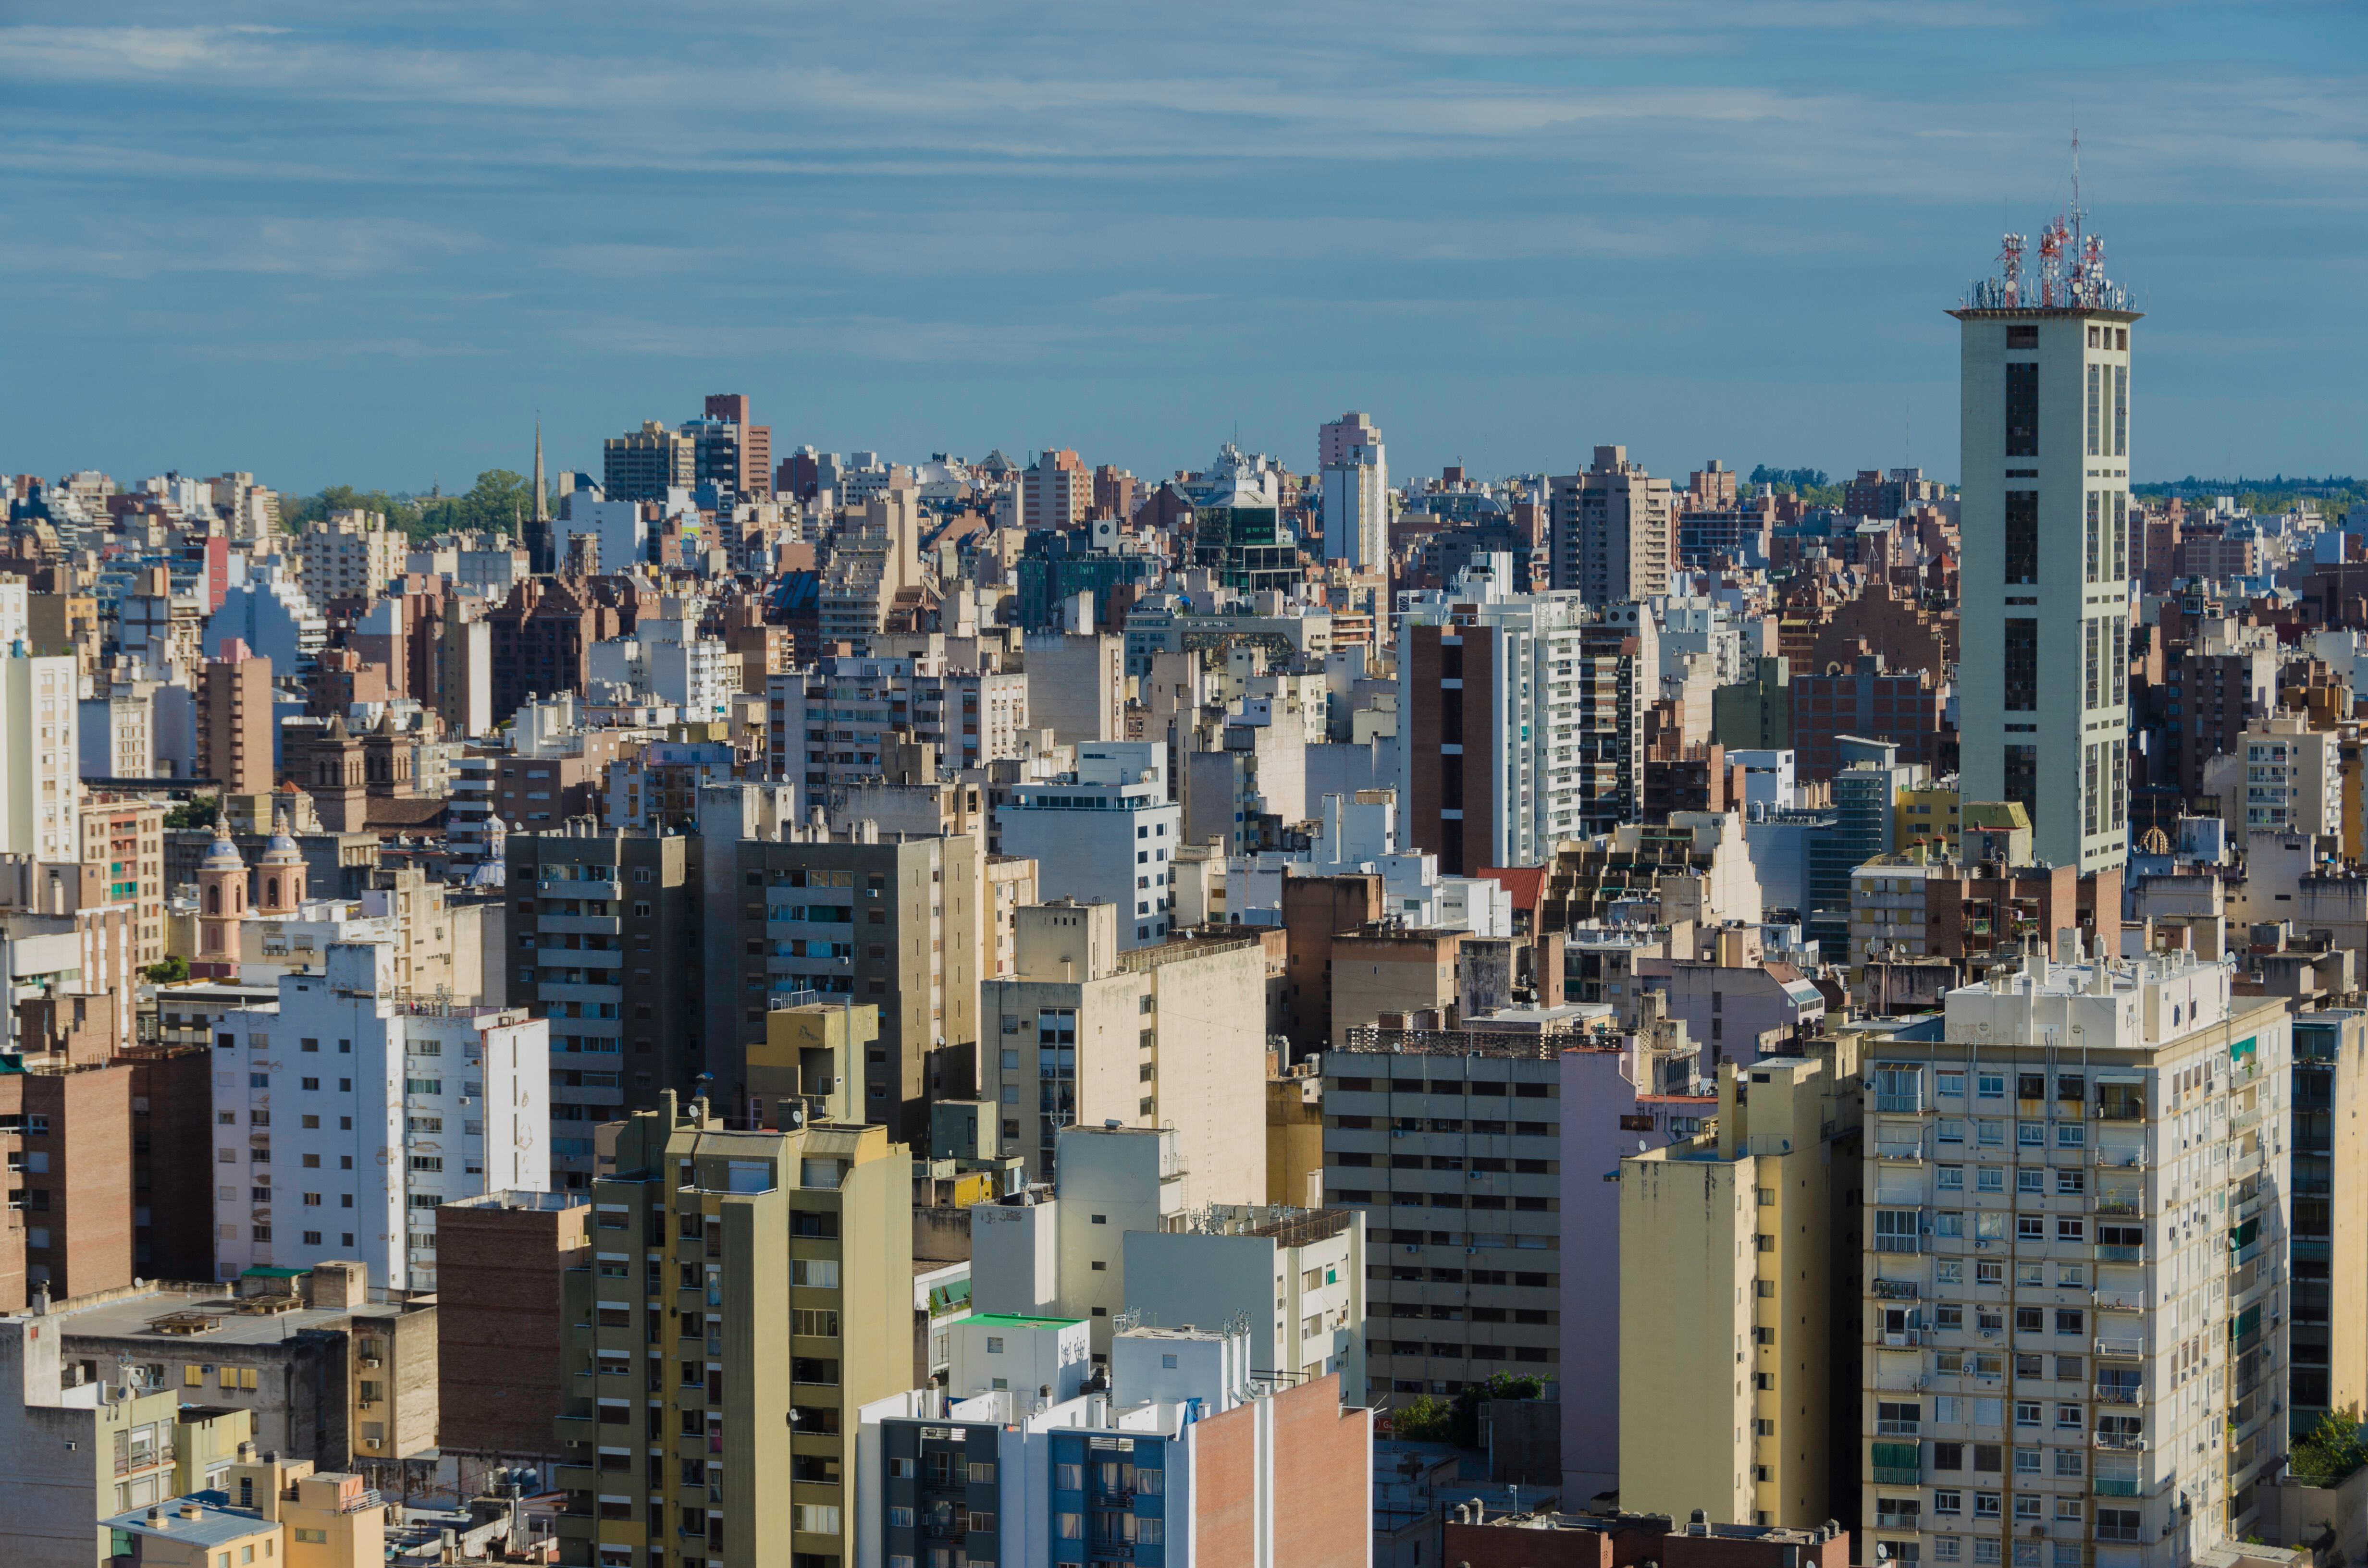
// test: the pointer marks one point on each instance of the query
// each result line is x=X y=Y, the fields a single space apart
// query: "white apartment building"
x=2075 y=1340
x=346 y=1112
x=1105 y=834
x=2287 y=778
x=1549 y=707
x=2043 y=697
x=1613 y=530
x=39 y=782
x=671 y=662
x=826 y=725
x=1357 y=508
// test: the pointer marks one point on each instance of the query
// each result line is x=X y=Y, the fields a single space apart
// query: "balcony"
x=2120 y=1442
x=2119 y=1393
x=1911 y=1103
x=2117 y=1486
x=1904 y=1153
x=581 y=925
x=1895 y=1289
x=578 y=890
x=2119 y=1206
x=2121 y=1347
x=1898 y=1475
x=1899 y=1428
x=2119 y=1255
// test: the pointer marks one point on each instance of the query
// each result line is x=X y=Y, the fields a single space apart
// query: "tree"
x=499 y=500
x=2330 y=1452
x=400 y=514
x=199 y=812
x=172 y=972
x=1423 y=1420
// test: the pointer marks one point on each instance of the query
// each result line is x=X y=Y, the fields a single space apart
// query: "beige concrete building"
x=1010 y=887
x=1073 y=1038
x=1389 y=970
x=280 y=1512
x=348 y=555
x=2076 y=1291
x=41 y=784
x=82 y=1447
x=747 y=1291
x=126 y=839
x=1724 y=1245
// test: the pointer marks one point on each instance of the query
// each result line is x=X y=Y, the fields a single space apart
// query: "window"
x=2022 y=410
x=2021 y=665
x=1951 y=1178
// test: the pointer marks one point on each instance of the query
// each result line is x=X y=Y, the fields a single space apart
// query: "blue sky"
x=366 y=243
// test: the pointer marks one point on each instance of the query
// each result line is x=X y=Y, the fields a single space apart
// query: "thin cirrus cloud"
x=921 y=225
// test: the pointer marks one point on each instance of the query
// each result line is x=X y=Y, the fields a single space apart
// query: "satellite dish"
x=1640 y=1145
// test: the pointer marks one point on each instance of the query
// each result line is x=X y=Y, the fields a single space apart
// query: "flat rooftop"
x=136 y=1317
x=1013 y=1320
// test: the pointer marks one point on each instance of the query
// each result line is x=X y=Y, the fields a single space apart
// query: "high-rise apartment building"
x=2076 y=1307
x=125 y=838
x=1725 y=1242
x=348 y=555
x=349 y=1110
x=40 y=785
x=1614 y=531
x=748 y=1291
x=644 y=464
x=832 y=724
x=2044 y=515
x=1057 y=491
x=599 y=931
x=807 y=915
x=734 y=450
x=1357 y=508
x=2328 y=1364
x=1454 y=1156
x=234 y=721
x=875 y=559
x=1335 y=437
x=1106 y=834
x=1522 y=719
x=502 y=1261
x=65 y=1134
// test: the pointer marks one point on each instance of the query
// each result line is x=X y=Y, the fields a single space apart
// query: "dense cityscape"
x=1564 y=1016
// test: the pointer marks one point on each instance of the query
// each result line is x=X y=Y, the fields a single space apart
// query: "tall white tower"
x=2045 y=588
x=1354 y=469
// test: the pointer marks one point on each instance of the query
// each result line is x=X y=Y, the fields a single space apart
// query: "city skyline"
x=364 y=253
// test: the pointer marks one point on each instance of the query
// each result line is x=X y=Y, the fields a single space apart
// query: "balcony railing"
x=1895 y=1289
x=2120 y=1346
x=2117 y=1486
x=2120 y=1442
x=1899 y=1428
x=2120 y=1255
x=2120 y=1393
